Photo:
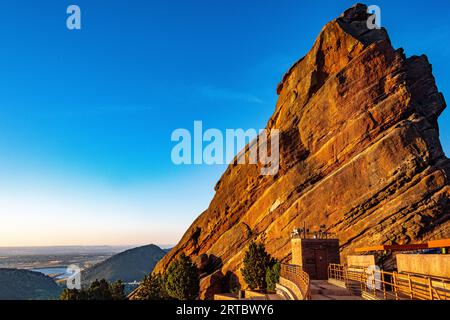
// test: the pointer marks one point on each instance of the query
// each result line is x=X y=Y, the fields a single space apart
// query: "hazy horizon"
x=162 y=246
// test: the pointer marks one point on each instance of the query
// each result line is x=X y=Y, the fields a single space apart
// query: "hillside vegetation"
x=16 y=284
x=128 y=266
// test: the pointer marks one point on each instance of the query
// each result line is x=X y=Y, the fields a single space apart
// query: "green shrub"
x=273 y=276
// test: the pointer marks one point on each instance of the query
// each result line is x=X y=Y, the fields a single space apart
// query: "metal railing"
x=299 y=277
x=386 y=285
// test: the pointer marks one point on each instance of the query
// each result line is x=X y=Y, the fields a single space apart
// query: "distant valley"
x=39 y=273
x=54 y=257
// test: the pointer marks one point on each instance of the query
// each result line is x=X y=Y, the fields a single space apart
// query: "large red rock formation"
x=359 y=153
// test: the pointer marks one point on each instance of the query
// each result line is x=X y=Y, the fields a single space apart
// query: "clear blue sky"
x=86 y=116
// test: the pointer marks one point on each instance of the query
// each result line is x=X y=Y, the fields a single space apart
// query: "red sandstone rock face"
x=359 y=153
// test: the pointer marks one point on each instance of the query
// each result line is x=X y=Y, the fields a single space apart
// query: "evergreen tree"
x=73 y=294
x=118 y=290
x=256 y=263
x=182 y=280
x=99 y=290
x=152 y=288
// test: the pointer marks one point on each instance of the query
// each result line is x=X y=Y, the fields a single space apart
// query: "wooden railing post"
x=394 y=278
x=362 y=281
x=444 y=285
x=374 y=284
x=410 y=287
x=345 y=275
x=430 y=288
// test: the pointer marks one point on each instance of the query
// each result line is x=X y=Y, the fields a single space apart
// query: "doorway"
x=321 y=259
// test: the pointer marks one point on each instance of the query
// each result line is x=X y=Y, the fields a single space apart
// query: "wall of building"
x=296 y=250
x=437 y=265
x=361 y=261
x=306 y=253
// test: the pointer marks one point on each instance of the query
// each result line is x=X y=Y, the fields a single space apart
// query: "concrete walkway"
x=322 y=290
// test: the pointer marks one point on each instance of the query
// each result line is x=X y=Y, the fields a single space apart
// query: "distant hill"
x=16 y=284
x=128 y=266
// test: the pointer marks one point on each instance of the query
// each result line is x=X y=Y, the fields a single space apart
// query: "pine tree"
x=73 y=294
x=99 y=290
x=256 y=263
x=182 y=280
x=152 y=288
x=117 y=290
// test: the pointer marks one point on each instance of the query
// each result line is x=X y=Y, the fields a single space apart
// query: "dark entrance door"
x=321 y=264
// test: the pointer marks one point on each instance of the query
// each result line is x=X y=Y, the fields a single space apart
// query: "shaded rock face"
x=359 y=153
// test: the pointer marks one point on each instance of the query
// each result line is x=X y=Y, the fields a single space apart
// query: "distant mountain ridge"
x=17 y=284
x=128 y=266
x=59 y=250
